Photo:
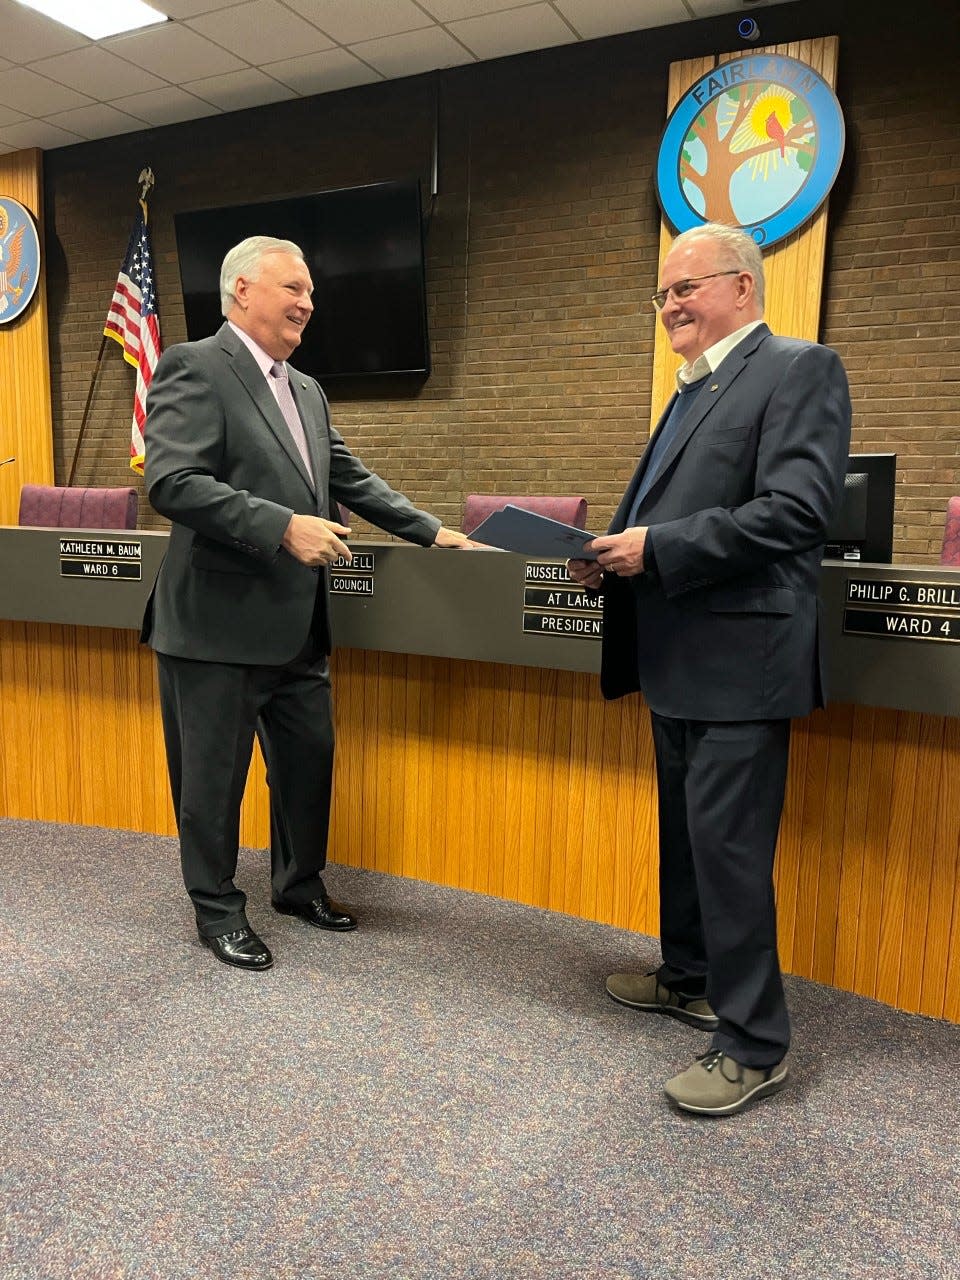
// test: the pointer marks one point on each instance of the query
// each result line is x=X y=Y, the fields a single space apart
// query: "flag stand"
x=146 y=181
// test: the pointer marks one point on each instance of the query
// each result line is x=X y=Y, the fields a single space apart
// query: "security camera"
x=747 y=29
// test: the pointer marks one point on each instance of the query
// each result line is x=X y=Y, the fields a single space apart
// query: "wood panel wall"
x=793 y=269
x=26 y=420
x=524 y=784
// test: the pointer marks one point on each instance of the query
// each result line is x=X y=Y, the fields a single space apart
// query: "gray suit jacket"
x=726 y=625
x=222 y=466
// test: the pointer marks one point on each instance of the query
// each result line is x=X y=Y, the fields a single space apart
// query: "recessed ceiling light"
x=98 y=18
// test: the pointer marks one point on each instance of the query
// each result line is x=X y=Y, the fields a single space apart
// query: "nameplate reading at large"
x=19 y=259
x=755 y=143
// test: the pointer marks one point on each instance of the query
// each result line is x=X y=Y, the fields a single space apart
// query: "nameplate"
x=563 y=624
x=555 y=605
x=101 y=559
x=902 y=624
x=353 y=577
x=894 y=594
x=577 y=600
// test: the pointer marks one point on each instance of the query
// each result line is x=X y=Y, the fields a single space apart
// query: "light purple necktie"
x=290 y=415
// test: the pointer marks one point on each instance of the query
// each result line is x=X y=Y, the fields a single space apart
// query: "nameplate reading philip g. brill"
x=903 y=610
x=101 y=558
x=884 y=591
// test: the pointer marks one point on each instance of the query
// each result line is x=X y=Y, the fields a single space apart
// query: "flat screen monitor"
x=364 y=248
x=862 y=527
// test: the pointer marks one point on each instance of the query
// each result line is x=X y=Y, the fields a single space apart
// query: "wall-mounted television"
x=364 y=248
x=862 y=526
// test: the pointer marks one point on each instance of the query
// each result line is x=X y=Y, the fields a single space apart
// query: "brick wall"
x=542 y=255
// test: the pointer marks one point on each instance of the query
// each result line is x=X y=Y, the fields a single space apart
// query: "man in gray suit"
x=709 y=575
x=242 y=458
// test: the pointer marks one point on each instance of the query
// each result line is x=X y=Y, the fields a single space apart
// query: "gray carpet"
x=446 y=1092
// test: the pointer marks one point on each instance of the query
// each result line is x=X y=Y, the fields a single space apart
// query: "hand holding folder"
x=529 y=534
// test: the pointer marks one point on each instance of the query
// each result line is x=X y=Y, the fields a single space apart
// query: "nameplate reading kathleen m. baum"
x=101 y=558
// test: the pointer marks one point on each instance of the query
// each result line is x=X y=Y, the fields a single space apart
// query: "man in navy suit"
x=243 y=459
x=709 y=575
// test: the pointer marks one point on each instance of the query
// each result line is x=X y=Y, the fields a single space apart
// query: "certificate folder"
x=514 y=529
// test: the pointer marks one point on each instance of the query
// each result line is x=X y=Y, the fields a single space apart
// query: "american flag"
x=133 y=322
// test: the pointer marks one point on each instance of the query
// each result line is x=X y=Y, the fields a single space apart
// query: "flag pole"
x=86 y=411
x=146 y=181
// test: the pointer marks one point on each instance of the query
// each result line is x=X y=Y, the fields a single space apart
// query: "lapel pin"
x=715 y=387
x=303 y=385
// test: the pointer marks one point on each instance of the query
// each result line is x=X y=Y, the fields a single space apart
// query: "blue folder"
x=514 y=529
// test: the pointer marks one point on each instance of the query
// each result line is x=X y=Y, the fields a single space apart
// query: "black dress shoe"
x=322 y=913
x=242 y=948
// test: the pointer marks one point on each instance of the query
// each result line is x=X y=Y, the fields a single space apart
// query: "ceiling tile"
x=175 y=53
x=166 y=106
x=37 y=133
x=736 y=8
x=349 y=21
x=240 y=89
x=97 y=73
x=593 y=18
x=96 y=121
x=323 y=72
x=28 y=35
x=35 y=95
x=186 y=8
x=497 y=35
x=452 y=10
x=262 y=31
x=413 y=53
x=9 y=116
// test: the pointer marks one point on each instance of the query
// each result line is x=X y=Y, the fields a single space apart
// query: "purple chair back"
x=567 y=510
x=78 y=508
x=950 y=551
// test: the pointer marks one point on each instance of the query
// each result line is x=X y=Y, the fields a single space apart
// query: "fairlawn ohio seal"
x=756 y=143
x=19 y=259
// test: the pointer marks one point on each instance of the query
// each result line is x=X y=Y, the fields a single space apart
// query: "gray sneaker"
x=644 y=991
x=717 y=1085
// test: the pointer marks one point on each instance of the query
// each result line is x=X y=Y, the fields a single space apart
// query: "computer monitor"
x=862 y=526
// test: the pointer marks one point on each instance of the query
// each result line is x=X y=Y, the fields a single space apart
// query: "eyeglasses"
x=684 y=288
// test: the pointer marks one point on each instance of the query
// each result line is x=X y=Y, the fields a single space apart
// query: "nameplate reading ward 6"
x=903 y=610
x=101 y=558
x=555 y=605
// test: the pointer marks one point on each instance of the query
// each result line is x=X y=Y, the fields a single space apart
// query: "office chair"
x=950 y=551
x=77 y=507
x=566 y=509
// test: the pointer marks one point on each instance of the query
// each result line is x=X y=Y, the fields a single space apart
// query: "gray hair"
x=737 y=251
x=244 y=260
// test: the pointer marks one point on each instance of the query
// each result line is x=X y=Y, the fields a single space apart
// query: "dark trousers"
x=720 y=790
x=211 y=712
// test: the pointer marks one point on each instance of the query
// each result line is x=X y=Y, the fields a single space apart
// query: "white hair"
x=737 y=250
x=244 y=259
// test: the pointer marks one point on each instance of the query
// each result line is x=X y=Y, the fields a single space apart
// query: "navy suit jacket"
x=222 y=465
x=725 y=626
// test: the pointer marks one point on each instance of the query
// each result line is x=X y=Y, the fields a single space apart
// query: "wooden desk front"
x=475 y=755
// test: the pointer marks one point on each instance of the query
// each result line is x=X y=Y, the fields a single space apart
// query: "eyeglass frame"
x=659 y=299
